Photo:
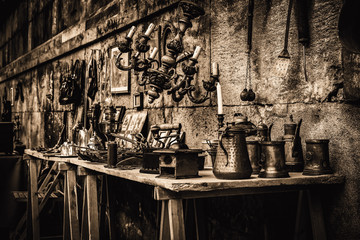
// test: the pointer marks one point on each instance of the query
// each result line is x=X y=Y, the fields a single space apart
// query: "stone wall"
x=327 y=110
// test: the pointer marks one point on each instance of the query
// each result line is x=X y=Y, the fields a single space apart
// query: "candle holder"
x=220 y=118
x=164 y=76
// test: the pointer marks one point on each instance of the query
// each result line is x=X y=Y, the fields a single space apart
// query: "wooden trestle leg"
x=92 y=211
x=71 y=214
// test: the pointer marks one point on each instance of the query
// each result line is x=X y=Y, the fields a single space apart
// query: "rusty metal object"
x=317 y=157
x=232 y=159
x=178 y=163
x=293 y=150
x=254 y=151
x=160 y=76
x=111 y=154
x=150 y=163
x=263 y=132
x=273 y=160
x=242 y=121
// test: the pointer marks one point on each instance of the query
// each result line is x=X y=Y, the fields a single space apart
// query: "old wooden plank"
x=92 y=207
x=49 y=191
x=176 y=219
x=82 y=38
x=34 y=199
x=47 y=178
x=207 y=181
x=316 y=215
x=164 y=224
x=84 y=218
x=73 y=204
x=66 y=224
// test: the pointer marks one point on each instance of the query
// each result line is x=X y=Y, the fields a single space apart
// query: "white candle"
x=149 y=29
x=196 y=52
x=153 y=53
x=219 y=98
x=132 y=32
x=215 y=69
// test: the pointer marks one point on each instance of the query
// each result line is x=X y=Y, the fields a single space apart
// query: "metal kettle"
x=232 y=159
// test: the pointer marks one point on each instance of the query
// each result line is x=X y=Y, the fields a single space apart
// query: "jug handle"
x=269 y=132
x=222 y=146
x=309 y=156
x=296 y=141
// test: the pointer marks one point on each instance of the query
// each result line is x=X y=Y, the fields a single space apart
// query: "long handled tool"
x=248 y=95
x=283 y=60
x=84 y=134
x=301 y=13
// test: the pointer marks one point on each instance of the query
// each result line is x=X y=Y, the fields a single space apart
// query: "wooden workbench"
x=172 y=191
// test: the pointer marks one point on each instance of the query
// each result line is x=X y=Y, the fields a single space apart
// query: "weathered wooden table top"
x=206 y=181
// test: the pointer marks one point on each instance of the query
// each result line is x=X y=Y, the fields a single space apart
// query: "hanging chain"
x=248 y=72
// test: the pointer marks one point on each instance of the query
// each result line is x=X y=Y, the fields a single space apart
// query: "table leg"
x=70 y=200
x=84 y=230
x=316 y=215
x=110 y=200
x=66 y=227
x=34 y=199
x=164 y=224
x=176 y=219
x=92 y=207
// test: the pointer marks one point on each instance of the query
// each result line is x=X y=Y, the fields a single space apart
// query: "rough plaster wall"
x=222 y=35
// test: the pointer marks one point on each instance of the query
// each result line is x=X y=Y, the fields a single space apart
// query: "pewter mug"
x=273 y=160
x=317 y=157
x=254 y=151
x=232 y=159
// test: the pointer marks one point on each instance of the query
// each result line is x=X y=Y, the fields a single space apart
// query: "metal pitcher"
x=317 y=157
x=293 y=150
x=232 y=159
x=273 y=160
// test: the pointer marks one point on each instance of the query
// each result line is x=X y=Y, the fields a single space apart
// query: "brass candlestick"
x=220 y=118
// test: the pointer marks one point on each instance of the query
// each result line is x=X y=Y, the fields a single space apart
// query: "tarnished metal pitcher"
x=232 y=159
x=317 y=157
x=273 y=160
x=293 y=150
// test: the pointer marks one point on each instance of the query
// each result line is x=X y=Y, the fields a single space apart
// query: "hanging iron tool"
x=301 y=13
x=19 y=92
x=95 y=122
x=6 y=114
x=248 y=95
x=84 y=135
x=50 y=95
x=283 y=60
x=93 y=82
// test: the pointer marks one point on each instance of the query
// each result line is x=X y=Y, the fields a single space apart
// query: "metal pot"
x=317 y=157
x=273 y=160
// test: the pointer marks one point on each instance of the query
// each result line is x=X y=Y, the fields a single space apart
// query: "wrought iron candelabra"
x=163 y=76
